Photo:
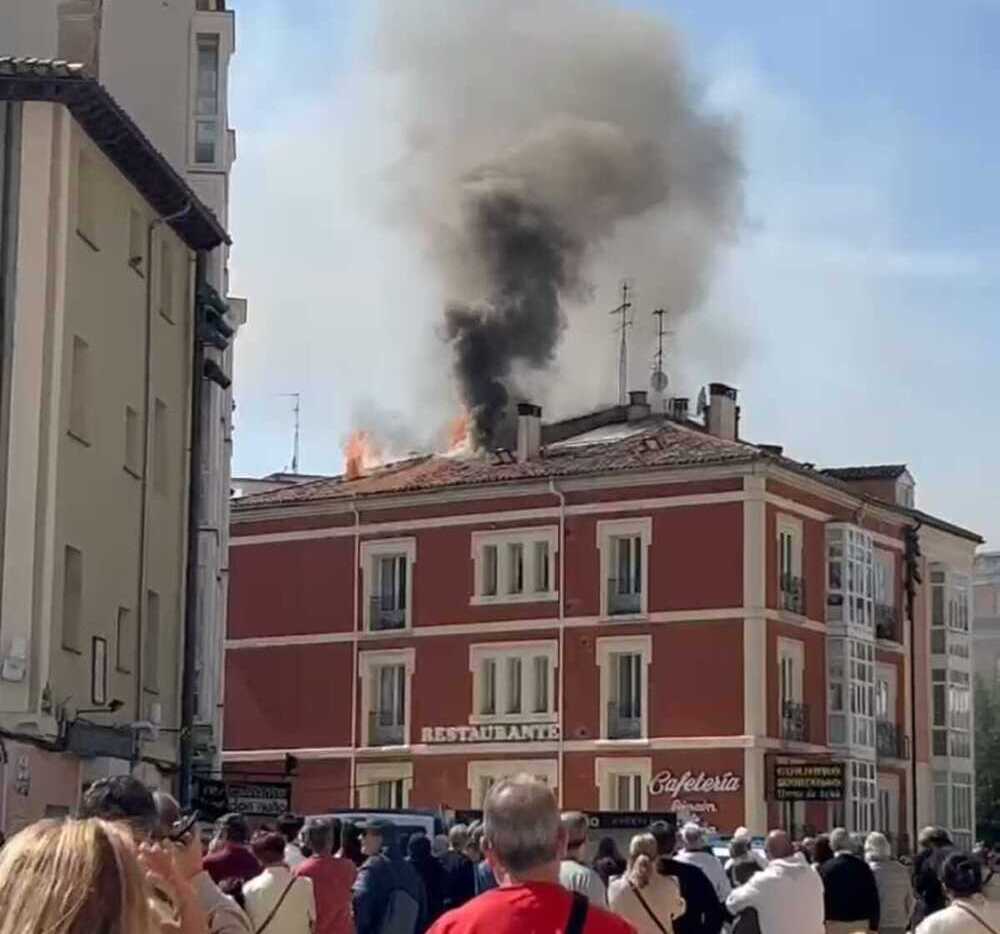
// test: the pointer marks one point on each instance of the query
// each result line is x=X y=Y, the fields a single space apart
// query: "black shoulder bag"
x=577 y=914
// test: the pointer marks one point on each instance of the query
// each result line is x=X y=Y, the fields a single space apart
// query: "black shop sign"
x=213 y=798
x=809 y=781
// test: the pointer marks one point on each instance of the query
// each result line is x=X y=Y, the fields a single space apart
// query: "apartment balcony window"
x=890 y=740
x=385 y=696
x=388 y=567
x=850 y=578
x=625 y=583
x=950 y=612
x=861 y=796
x=793 y=593
x=887 y=623
x=851 y=678
x=795 y=722
x=791 y=586
x=951 y=713
x=206 y=104
x=791 y=671
x=624 y=686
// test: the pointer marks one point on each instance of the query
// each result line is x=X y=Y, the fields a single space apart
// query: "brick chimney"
x=679 y=407
x=529 y=431
x=723 y=414
x=638 y=405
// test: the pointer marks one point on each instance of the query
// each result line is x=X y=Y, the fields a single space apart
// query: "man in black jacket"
x=850 y=894
x=704 y=913
x=935 y=845
x=459 y=872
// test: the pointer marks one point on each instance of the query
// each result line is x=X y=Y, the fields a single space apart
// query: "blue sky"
x=856 y=310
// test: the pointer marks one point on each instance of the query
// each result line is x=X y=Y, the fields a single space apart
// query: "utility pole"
x=623 y=326
x=295 y=442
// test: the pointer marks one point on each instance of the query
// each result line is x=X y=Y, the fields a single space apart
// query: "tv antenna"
x=659 y=381
x=295 y=443
x=624 y=324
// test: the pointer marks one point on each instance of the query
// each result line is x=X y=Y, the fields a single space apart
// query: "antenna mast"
x=295 y=442
x=625 y=323
x=659 y=380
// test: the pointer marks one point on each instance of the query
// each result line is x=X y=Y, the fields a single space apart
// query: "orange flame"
x=458 y=433
x=361 y=453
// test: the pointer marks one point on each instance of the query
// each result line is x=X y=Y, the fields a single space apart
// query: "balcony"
x=623 y=598
x=887 y=623
x=622 y=724
x=382 y=731
x=890 y=741
x=792 y=594
x=795 y=722
x=383 y=614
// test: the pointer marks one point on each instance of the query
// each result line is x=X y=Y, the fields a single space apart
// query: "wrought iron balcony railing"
x=890 y=740
x=623 y=723
x=795 y=722
x=383 y=614
x=887 y=623
x=792 y=593
x=382 y=731
x=623 y=598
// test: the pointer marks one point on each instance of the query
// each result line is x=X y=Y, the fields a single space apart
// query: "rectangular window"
x=793 y=713
x=206 y=121
x=625 y=709
x=151 y=643
x=136 y=242
x=627 y=792
x=389 y=602
x=850 y=577
x=389 y=795
x=541 y=575
x=514 y=704
x=388 y=719
x=124 y=645
x=513 y=566
x=488 y=703
x=541 y=674
x=72 y=608
x=851 y=670
x=513 y=682
x=161 y=448
x=88 y=199
x=862 y=794
x=167 y=281
x=133 y=441
x=98 y=671
x=490 y=567
x=80 y=390
x=791 y=586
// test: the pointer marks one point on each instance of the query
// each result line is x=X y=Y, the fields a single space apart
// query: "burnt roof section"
x=118 y=137
x=870 y=472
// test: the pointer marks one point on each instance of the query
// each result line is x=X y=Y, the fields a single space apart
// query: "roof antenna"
x=659 y=381
x=623 y=326
x=295 y=443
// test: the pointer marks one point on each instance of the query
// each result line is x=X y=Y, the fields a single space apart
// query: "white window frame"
x=794 y=650
x=370 y=552
x=848 y=544
x=368 y=663
x=841 y=652
x=861 y=808
x=500 y=769
x=608 y=769
x=525 y=651
x=528 y=537
x=221 y=92
x=889 y=674
x=367 y=775
x=792 y=527
x=608 y=647
x=607 y=531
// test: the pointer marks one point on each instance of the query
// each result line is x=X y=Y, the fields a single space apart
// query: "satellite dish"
x=658 y=381
x=702 y=401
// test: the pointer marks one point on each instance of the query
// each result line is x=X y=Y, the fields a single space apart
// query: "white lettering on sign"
x=679 y=806
x=691 y=783
x=491 y=733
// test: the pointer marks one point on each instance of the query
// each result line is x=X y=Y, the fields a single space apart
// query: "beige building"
x=986 y=622
x=167 y=65
x=102 y=245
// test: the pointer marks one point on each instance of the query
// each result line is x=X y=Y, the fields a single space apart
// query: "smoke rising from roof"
x=541 y=139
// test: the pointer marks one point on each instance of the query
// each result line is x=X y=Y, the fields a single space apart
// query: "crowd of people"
x=133 y=863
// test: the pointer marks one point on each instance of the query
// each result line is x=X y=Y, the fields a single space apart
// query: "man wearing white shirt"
x=698 y=853
x=276 y=901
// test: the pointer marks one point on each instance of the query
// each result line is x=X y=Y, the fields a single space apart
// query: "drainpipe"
x=354 y=642
x=562 y=633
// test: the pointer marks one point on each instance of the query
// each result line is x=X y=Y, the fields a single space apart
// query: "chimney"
x=529 y=431
x=722 y=411
x=679 y=407
x=638 y=406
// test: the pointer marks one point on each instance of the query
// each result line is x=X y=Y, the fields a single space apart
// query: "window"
x=98 y=671
x=850 y=577
x=388 y=570
x=161 y=447
x=72 y=608
x=950 y=615
x=961 y=809
x=136 y=242
x=886 y=619
x=793 y=712
x=385 y=696
x=513 y=682
x=624 y=567
x=861 y=796
x=133 y=440
x=952 y=713
x=514 y=566
x=791 y=585
x=384 y=785
x=151 y=644
x=484 y=775
x=79 y=391
x=124 y=645
x=206 y=108
x=623 y=663
x=623 y=783
x=851 y=664
x=167 y=281
x=88 y=199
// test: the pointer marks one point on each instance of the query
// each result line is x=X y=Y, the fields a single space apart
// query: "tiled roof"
x=119 y=138
x=871 y=472
x=660 y=443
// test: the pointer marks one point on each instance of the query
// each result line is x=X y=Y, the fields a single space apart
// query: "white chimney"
x=529 y=431
x=638 y=405
x=722 y=411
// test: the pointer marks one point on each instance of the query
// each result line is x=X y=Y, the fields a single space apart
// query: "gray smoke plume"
x=539 y=134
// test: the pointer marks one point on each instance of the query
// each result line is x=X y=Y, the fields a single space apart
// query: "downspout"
x=562 y=633
x=140 y=605
x=356 y=578
x=914 y=820
x=190 y=657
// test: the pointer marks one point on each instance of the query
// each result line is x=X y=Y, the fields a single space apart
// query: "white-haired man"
x=850 y=892
x=574 y=873
x=698 y=853
x=523 y=840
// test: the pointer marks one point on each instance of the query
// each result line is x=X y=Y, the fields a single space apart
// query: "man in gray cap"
x=389 y=896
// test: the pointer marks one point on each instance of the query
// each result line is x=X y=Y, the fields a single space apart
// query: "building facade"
x=167 y=65
x=99 y=245
x=986 y=623
x=644 y=611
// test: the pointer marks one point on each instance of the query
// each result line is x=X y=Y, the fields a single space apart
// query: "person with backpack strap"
x=641 y=895
x=276 y=901
x=524 y=841
x=389 y=896
x=971 y=911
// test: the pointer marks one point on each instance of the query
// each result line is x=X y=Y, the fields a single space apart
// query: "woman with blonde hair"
x=86 y=876
x=643 y=897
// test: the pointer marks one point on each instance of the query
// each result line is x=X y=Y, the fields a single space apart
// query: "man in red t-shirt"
x=523 y=839
x=229 y=856
x=332 y=876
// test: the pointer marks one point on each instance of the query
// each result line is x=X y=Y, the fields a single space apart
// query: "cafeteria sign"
x=809 y=782
x=693 y=783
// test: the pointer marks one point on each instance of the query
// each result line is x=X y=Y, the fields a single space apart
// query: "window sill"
x=78 y=438
x=641 y=742
x=504 y=599
x=387 y=633
x=71 y=649
x=166 y=317
x=132 y=473
x=136 y=267
x=123 y=671
x=87 y=240
x=478 y=719
x=624 y=617
x=146 y=689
